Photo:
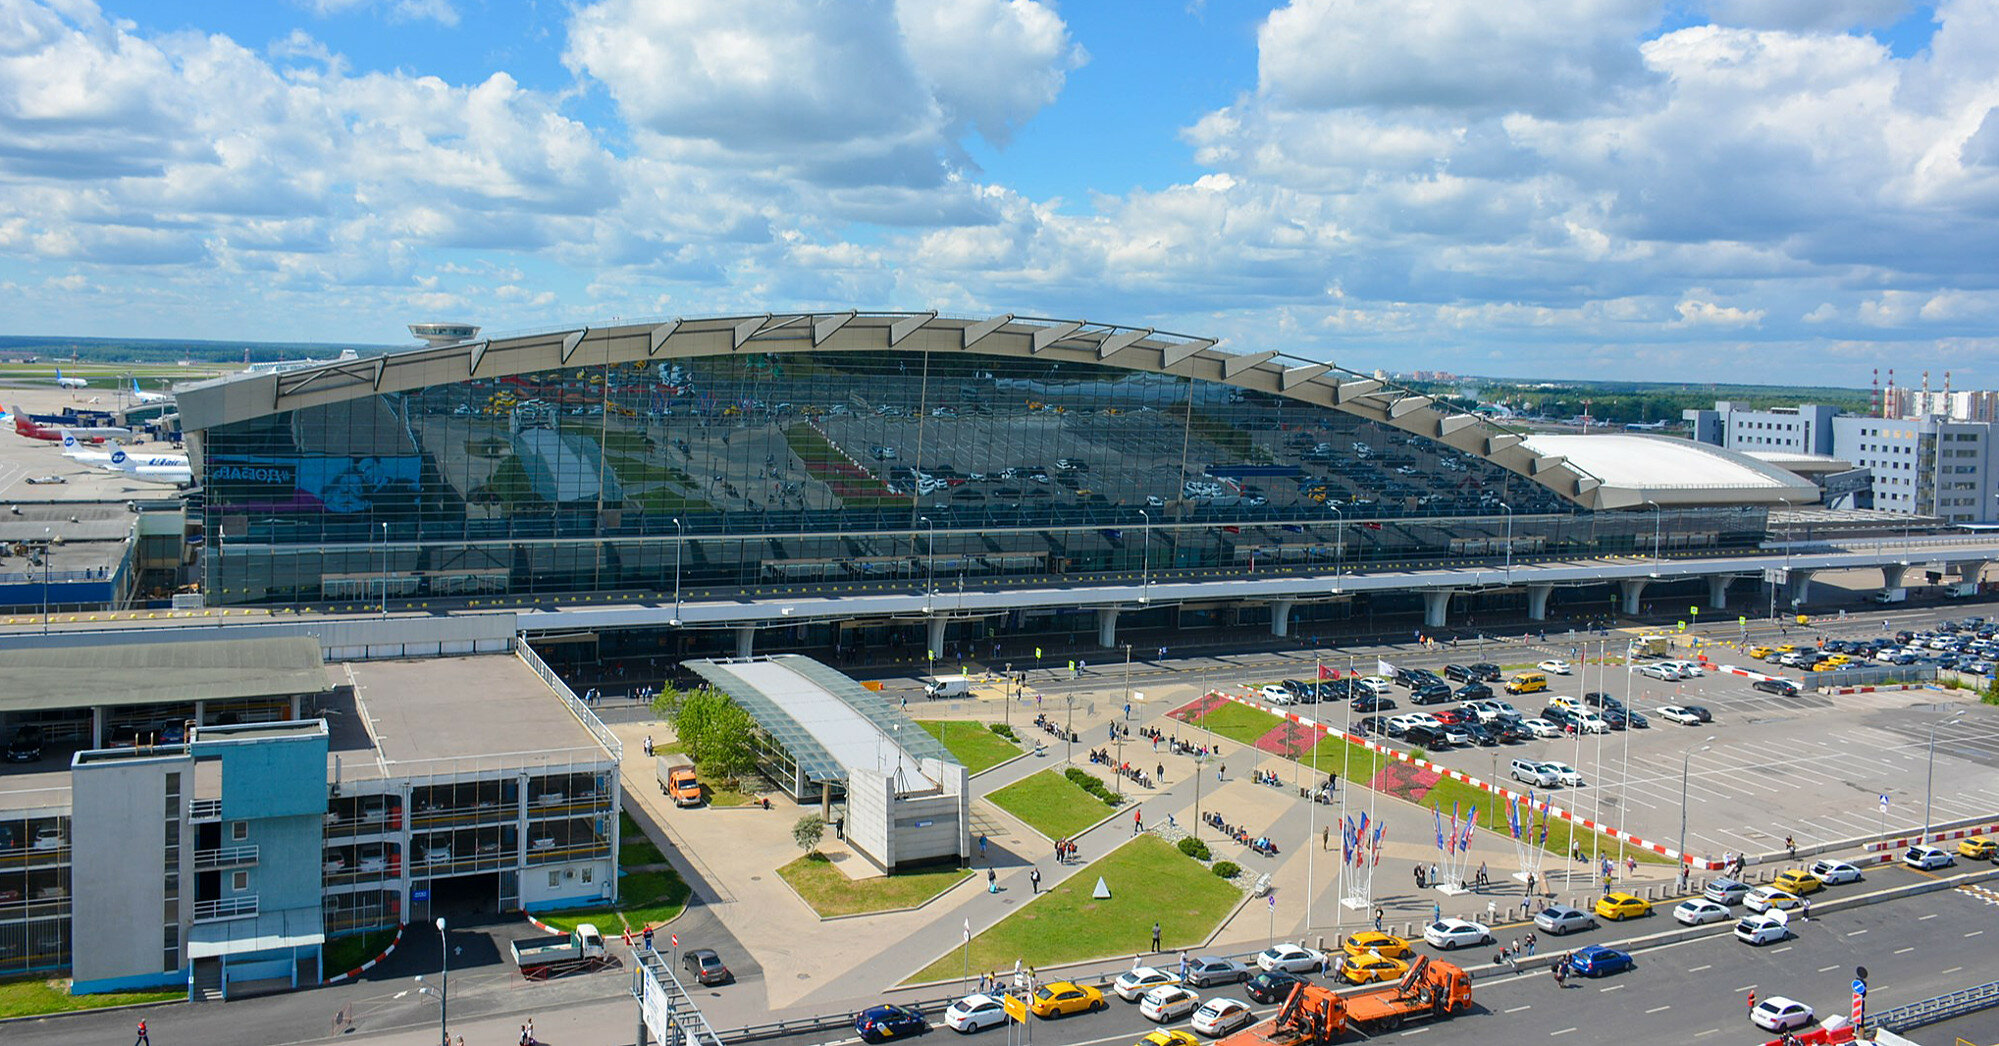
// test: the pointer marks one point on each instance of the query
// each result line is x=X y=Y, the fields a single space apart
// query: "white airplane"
x=143 y=396
x=281 y=366
x=72 y=449
x=154 y=468
x=70 y=383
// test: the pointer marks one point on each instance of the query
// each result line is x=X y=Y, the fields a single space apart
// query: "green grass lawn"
x=346 y=953
x=971 y=743
x=645 y=899
x=633 y=846
x=1050 y=804
x=1148 y=879
x=28 y=998
x=1353 y=762
x=830 y=892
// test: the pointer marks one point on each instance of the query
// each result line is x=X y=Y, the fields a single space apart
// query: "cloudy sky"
x=1792 y=191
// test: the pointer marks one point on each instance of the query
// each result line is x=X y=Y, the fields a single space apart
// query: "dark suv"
x=26 y=747
x=1459 y=673
x=1426 y=736
x=1486 y=671
x=1431 y=693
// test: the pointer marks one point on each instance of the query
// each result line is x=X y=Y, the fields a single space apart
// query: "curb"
x=372 y=963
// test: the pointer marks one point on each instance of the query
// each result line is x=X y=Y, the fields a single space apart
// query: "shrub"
x=1227 y=869
x=1195 y=848
x=1417 y=753
x=1004 y=731
x=1089 y=783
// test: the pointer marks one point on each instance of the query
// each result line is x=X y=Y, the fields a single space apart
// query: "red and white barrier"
x=371 y=963
x=1903 y=842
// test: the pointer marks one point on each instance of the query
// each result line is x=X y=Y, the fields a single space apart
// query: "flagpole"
x=1312 y=797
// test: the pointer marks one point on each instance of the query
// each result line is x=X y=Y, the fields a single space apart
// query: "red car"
x=1450 y=716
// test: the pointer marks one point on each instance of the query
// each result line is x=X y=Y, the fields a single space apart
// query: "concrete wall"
x=117 y=872
x=893 y=832
x=570 y=889
x=870 y=797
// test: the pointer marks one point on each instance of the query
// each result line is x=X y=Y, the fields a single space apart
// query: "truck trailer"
x=1315 y=1015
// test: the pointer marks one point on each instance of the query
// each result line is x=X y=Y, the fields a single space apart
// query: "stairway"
x=207 y=980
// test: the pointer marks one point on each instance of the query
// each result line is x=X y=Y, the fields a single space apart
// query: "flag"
x=1346 y=841
x=968 y=929
x=1471 y=822
x=1513 y=817
x=1327 y=673
x=1377 y=842
x=1454 y=827
x=1383 y=668
x=1438 y=817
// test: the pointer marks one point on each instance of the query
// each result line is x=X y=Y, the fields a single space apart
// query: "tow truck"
x=1315 y=1015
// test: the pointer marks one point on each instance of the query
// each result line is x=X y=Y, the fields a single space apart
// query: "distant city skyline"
x=1762 y=191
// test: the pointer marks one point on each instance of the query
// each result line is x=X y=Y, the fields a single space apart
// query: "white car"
x=1291 y=958
x=1778 y=1013
x=1658 y=671
x=1455 y=933
x=1767 y=928
x=1924 y=858
x=1699 y=911
x=1565 y=773
x=1554 y=667
x=1218 y=1017
x=1676 y=714
x=1540 y=727
x=1591 y=723
x=1376 y=685
x=975 y=1013
x=1766 y=898
x=1131 y=984
x=1688 y=669
x=1167 y=1004
x=1275 y=694
x=1833 y=873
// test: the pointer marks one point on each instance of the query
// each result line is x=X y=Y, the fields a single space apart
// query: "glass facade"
x=827 y=468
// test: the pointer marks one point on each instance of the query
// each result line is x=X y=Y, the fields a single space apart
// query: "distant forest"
x=1627 y=403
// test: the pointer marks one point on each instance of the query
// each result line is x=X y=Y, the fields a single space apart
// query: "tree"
x=666 y=703
x=718 y=735
x=808 y=831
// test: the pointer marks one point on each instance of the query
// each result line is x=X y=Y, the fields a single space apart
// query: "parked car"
x=1062 y=998
x=1977 y=849
x=1658 y=671
x=1276 y=695
x=1375 y=942
x=1291 y=958
x=1474 y=692
x=1699 y=911
x=1798 y=882
x=1765 y=898
x=975 y=1013
x=1209 y=969
x=1560 y=919
x=882 y=1023
x=1595 y=960
x=1485 y=670
x=1532 y=772
x=1924 y=858
x=1677 y=714
x=1132 y=984
x=1450 y=934
x=1554 y=667
x=1725 y=891
x=1170 y=1003
x=1621 y=906
x=1778 y=686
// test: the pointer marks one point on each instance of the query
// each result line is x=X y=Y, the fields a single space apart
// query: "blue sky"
x=1678 y=189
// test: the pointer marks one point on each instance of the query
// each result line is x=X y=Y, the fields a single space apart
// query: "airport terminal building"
x=814 y=451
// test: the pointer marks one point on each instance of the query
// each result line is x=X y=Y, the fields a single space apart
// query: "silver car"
x=1559 y=919
x=1209 y=969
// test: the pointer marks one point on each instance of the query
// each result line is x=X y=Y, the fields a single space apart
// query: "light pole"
x=1509 y=541
x=1658 y=517
x=679 y=546
x=1685 y=763
x=930 y=564
x=443 y=989
x=1200 y=763
x=1929 y=781
x=1339 y=543
x=48 y=552
x=1145 y=565
x=385 y=570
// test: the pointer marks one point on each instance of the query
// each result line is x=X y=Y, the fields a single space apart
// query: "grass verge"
x=971 y=743
x=1149 y=880
x=633 y=846
x=346 y=953
x=1050 y=804
x=830 y=892
x=34 y=997
x=646 y=899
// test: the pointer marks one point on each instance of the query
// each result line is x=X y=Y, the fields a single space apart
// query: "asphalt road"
x=1695 y=991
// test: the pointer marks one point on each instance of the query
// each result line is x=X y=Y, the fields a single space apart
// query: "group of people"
x=1060 y=732
x=1135 y=774
x=1259 y=843
x=1266 y=777
x=1174 y=744
x=1065 y=851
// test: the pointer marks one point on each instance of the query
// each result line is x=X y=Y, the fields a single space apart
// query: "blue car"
x=882 y=1023
x=1595 y=961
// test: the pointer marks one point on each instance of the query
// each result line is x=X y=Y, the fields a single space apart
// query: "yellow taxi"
x=1170 y=1037
x=1366 y=969
x=1977 y=849
x=1759 y=652
x=1375 y=942
x=1622 y=906
x=1062 y=998
x=1787 y=648
x=1840 y=659
x=1797 y=882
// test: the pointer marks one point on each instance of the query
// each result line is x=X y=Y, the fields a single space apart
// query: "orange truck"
x=1314 y=1015
x=677 y=782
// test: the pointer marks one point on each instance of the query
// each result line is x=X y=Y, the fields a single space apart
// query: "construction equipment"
x=1313 y=1015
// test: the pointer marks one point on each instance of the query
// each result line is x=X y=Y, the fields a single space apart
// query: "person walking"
x=1752 y=1000
x=1155 y=936
x=1326 y=838
x=1532 y=943
x=1378 y=915
x=992 y=881
x=1183 y=966
x=1034 y=879
x=1137 y=822
x=143 y=1039
x=982 y=846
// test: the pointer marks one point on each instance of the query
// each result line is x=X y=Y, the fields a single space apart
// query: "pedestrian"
x=1752 y=1000
x=992 y=880
x=1791 y=845
x=143 y=1040
x=532 y=1041
x=1221 y=771
x=1326 y=838
x=1183 y=966
x=1137 y=821
x=1155 y=936
x=648 y=938
x=840 y=827
x=524 y=1035
x=1481 y=880
x=1034 y=879
x=1532 y=942
x=1159 y=771
x=648 y=746
x=1805 y=911
x=982 y=846
x=1378 y=914
x=1436 y=912
x=1420 y=884
x=1433 y=873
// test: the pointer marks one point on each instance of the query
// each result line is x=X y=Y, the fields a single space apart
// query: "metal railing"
x=223 y=857
x=225 y=908
x=1870 y=675
x=1940 y=1008
x=204 y=810
x=582 y=711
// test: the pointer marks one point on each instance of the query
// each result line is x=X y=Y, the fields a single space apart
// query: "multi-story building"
x=1805 y=429
x=219 y=809
x=1926 y=466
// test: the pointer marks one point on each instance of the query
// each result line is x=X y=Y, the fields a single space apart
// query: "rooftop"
x=828 y=722
x=139 y=673
x=1674 y=471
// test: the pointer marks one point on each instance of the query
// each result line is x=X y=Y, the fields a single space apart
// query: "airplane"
x=27 y=426
x=281 y=366
x=1645 y=426
x=154 y=468
x=70 y=383
x=72 y=448
x=143 y=396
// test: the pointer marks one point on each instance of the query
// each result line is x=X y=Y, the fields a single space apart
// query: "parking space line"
x=1974 y=933
x=1564 y=1031
x=1899 y=951
x=1780 y=951
x=1953 y=969
x=1932 y=915
x=1834 y=966
x=1517 y=1009
x=1710 y=1031
x=1414 y=1031
x=1611 y=988
x=1855 y=933
x=1660 y=1009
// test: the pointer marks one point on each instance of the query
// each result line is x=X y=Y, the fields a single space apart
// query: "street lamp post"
x=1658 y=517
x=385 y=570
x=1145 y=565
x=1686 y=762
x=443 y=989
x=1339 y=543
x=1929 y=781
x=930 y=564
x=48 y=552
x=1509 y=541
x=679 y=547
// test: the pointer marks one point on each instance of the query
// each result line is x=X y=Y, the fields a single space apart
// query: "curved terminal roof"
x=829 y=723
x=1670 y=471
x=1268 y=371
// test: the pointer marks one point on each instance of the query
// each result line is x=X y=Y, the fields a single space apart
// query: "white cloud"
x=1708 y=314
x=991 y=64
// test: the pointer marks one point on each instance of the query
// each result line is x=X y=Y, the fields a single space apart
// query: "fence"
x=1941 y=1008
x=1872 y=675
x=584 y=715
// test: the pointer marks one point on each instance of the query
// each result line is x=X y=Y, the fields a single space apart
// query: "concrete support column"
x=1537 y=602
x=746 y=640
x=1107 y=627
x=1717 y=590
x=1632 y=588
x=1435 y=603
x=1800 y=590
x=936 y=637
x=1891 y=574
x=1970 y=571
x=1280 y=617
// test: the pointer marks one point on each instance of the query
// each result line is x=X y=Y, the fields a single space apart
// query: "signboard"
x=1015 y=1007
x=419 y=893
x=654 y=1007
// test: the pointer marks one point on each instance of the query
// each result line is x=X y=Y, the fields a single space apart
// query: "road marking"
x=1974 y=933
x=1744 y=988
x=1698 y=969
x=1564 y=1031
x=1612 y=988
x=1414 y=1031
x=1899 y=951
x=1710 y=1031
x=1932 y=915
x=1834 y=966
x=1855 y=933
x=1953 y=969
x=1517 y=1009
x=1780 y=951
x=1659 y=1009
